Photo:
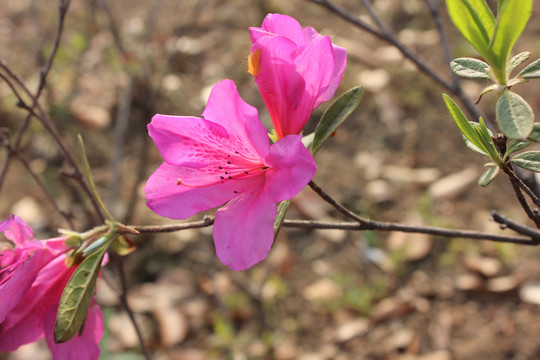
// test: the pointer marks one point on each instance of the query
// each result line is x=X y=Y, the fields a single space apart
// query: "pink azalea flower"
x=33 y=275
x=295 y=69
x=226 y=157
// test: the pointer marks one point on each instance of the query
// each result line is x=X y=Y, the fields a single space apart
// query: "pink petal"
x=83 y=346
x=19 y=267
x=340 y=62
x=12 y=289
x=277 y=24
x=316 y=64
x=241 y=120
x=187 y=141
x=292 y=167
x=166 y=198
x=24 y=324
x=244 y=228
x=16 y=230
x=281 y=84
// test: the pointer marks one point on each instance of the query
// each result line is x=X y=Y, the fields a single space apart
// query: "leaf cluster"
x=494 y=37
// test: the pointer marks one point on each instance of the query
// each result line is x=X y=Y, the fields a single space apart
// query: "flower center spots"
x=237 y=167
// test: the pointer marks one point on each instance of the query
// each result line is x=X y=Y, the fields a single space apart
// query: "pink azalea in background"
x=226 y=157
x=33 y=275
x=295 y=69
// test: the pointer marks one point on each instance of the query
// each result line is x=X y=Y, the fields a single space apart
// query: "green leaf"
x=529 y=160
x=335 y=115
x=463 y=124
x=511 y=20
x=516 y=145
x=280 y=217
x=473 y=147
x=516 y=61
x=532 y=71
x=488 y=176
x=90 y=179
x=475 y=21
x=471 y=68
x=514 y=115
x=76 y=297
x=485 y=136
x=535 y=135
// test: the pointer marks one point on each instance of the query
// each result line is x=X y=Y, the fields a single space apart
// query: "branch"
x=125 y=304
x=532 y=239
x=508 y=170
x=534 y=234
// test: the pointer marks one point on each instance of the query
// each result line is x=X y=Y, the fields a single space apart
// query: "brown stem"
x=532 y=236
x=508 y=170
x=123 y=299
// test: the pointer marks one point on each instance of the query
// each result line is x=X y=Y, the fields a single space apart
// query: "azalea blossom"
x=295 y=69
x=33 y=275
x=225 y=157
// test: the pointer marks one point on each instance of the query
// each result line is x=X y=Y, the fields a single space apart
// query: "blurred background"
x=320 y=294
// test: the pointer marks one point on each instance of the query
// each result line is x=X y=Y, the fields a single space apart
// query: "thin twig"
x=335 y=203
x=123 y=299
x=534 y=234
x=374 y=16
x=515 y=179
x=365 y=224
x=122 y=121
x=436 y=15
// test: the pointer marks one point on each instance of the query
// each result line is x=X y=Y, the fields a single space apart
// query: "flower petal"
x=187 y=141
x=167 y=198
x=83 y=346
x=282 y=87
x=292 y=167
x=20 y=266
x=19 y=282
x=16 y=230
x=241 y=120
x=24 y=324
x=316 y=65
x=278 y=24
x=244 y=228
x=340 y=62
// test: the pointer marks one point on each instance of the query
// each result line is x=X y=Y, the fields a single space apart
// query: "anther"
x=221 y=177
x=179 y=182
x=228 y=162
x=236 y=192
x=230 y=177
x=245 y=172
x=220 y=168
